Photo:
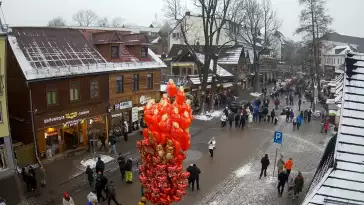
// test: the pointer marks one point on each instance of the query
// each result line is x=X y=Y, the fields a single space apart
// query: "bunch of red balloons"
x=163 y=148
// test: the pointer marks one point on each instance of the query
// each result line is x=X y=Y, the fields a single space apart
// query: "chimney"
x=188 y=13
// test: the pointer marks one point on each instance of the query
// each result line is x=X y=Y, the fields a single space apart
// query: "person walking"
x=128 y=171
x=122 y=165
x=43 y=175
x=92 y=198
x=195 y=176
x=309 y=115
x=280 y=164
x=298 y=184
x=90 y=175
x=291 y=99
x=305 y=114
x=237 y=120
x=291 y=114
x=102 y=139
x=299 y=121
x=265 y=163
x=100 y=165
x=299 y=104
x=125 y=130
x=111 y=193
x=231 y=119
x=326 y=126
x=212 y=144
x=294 y=123
x=223 y=120
x=272 y=115
x=112 y=141
x=242 y=120
x=282 y=178
x=99 y=185
x=67 y=200
x=32 y=179
x=288 y=165
x=26 y=178
x=189 y=178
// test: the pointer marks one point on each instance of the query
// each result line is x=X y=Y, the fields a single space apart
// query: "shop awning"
x=227 y=85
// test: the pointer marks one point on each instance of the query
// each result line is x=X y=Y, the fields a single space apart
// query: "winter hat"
x=65 y=195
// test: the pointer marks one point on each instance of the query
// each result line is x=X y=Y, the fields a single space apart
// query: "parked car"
x=237 y=105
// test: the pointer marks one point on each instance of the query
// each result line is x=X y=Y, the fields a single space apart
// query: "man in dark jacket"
x=195 y=176
x=122 y=165
x=90 y=176
x=242 y=121
x=309 y=115
x=99 y=186
x=231 y=119
x=299 y=104
x=272 y=115
x=265 y=164
x=100 y=165
x=102 y=139
x=111 y=193
x=237 y=120
x=282 y=178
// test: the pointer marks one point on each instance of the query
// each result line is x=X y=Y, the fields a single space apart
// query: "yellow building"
x=6 y=153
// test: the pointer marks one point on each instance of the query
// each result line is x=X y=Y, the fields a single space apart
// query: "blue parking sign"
x=278 y=137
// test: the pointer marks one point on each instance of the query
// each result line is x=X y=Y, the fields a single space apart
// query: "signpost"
x=277 y=139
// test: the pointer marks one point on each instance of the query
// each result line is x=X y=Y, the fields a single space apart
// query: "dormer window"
x=144 y=52
x=115 y=52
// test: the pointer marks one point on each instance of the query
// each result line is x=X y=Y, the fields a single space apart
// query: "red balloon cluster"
x=163 y=148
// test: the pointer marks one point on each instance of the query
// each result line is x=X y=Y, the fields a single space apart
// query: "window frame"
x=144 y=50
x=117 y=84
x=118 y=52
x=78 y=89
x=150 y=86
x=51 y=88
x=98 y=89
x=135 y=85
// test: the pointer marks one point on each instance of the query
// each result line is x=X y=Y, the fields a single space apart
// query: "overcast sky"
x=347 y=14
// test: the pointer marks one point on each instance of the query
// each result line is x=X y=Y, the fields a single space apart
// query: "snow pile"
x=92 y=161
x=256 y=94
x=208 y=115
x=242 y=171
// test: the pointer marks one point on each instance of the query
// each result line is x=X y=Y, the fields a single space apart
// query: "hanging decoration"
x=163 y=148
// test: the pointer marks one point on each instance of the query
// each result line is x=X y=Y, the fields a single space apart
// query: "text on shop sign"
x=123 y=105
x=71 y=115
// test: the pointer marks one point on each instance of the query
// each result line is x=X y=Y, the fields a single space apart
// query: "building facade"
x=7 y=163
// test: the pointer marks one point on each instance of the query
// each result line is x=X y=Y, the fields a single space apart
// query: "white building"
x=339 y=179
x=336 y=56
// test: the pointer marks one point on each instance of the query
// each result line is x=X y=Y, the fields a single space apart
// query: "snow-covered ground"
x=208 y=115
x=256 y=94
x=92 y=161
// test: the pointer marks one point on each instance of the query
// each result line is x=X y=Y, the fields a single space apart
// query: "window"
x=144 y=52
x=119 y=84
x=51 y=95
x=135 y=82
x=94 y=89
x=150 y=80
x=75 y=91
x=115 y=52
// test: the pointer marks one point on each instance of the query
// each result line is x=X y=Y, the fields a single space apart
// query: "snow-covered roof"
x=230 y=56
x=50 y=53
x=340 y=50
x=219 y=71
x=344 y=183
x=156 y=40
x=195 y=80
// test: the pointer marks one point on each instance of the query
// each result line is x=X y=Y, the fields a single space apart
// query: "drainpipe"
x=32 y=120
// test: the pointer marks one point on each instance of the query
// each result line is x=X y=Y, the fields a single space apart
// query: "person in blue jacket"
x=299 y=121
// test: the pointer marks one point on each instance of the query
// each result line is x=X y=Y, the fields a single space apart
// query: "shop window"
x=115 y=52
x=150 y=80
x=51 y=95
x=75 y=91
x=119 y=84
x=94 y=89
x=144 y=51
x=135 y=82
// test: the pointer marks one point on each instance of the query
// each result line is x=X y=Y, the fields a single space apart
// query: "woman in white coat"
x=212 y=144
x=67 y=200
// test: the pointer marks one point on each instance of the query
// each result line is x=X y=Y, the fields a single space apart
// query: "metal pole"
x=275 y=161
x=32 y=120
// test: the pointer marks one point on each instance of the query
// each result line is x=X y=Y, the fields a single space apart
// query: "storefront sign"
x=71 y=115
x=134 y=114
x=143 y=99
x=116 y=115
x=123 y=105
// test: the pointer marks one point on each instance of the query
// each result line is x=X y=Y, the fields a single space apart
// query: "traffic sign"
x=278 y=137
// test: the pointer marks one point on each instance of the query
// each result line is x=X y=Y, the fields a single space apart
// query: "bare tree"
x=271 y=22
x=117 y=22
x=85 y=18
x=173 y=9
x=104 y=22
x=57 y=22
x=314 y=22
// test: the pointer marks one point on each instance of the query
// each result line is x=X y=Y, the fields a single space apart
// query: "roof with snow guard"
x=219 y=71
x=59 y=52
x=343 y=183
x=230 y=56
